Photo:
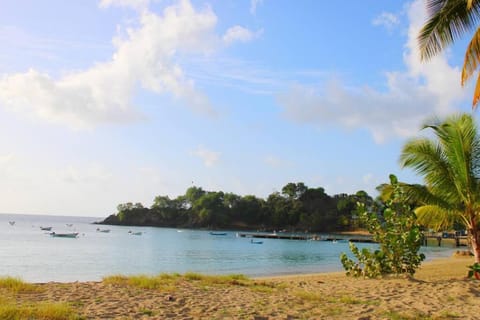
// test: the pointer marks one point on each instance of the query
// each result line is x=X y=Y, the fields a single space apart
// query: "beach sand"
x=439 y=290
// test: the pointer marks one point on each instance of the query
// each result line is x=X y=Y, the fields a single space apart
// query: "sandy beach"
x=439 y=290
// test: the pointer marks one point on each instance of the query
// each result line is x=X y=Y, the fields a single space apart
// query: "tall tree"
x=448 y=20
x=450 y=166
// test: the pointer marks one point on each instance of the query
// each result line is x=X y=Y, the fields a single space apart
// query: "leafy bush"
x=397 y=234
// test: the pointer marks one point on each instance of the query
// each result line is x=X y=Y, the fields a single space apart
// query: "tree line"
x=296 y=208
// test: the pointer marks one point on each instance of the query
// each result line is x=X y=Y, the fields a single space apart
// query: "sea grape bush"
x=397 y=234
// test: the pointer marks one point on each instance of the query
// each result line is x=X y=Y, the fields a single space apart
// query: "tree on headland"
x=449 y=20
x=450 y=166
x=297 y=207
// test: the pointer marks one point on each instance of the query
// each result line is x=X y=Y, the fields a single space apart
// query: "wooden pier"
x=293 y=236
x=285 y=236
x=460 y=241
x=456 y=241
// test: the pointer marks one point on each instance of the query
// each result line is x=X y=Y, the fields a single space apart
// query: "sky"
x=105 y=102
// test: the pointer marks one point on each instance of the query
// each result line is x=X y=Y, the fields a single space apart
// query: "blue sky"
x=111 y=101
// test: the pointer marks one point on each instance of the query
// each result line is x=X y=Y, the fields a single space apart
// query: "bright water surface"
x=35 y=256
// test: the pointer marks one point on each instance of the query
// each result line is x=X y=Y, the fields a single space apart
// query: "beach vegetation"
x=449 y=163
x=347 y=299
x=146 y=312
x=170 y=282
x=447 y=22
x=474 y=270
x=163 y=282
x=17 y=285
x=232 y=279
x=310 y=296
x=37 y=311
x=399 y=237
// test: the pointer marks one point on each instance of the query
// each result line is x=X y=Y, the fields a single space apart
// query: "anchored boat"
x=64 y=235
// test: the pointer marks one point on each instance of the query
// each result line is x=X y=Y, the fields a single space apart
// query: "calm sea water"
x=35 y=256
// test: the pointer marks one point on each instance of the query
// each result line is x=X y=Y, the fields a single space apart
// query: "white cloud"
x=209 y=157
x=240 y=34
x=254 y=4
x=387 y=20
x=90 y=174
x=135 y=4
x=147 y=55
x=410 y=97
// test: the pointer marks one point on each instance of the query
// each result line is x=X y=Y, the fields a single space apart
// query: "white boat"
x=138 y=233
x=64 y=235
x=103 y=230
x=46 y=228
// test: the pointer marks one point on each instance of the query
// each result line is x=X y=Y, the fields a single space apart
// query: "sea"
x=34 y=255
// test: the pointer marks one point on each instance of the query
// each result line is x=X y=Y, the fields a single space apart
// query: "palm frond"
x=435 y=217
x=448 y=21
x=427 y=159
x=476 y=94
x=472 y=57
x=420 y=194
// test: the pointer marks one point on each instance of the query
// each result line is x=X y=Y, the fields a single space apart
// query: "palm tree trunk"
x=474 y=238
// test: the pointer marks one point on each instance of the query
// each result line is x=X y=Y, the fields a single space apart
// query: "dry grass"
x=37 y=311
x=16 y=285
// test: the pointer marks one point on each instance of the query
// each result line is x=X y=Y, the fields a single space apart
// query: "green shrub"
x=397 y=234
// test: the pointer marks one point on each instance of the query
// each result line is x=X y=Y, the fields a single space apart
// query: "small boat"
x=218 y=233
x=103 y=230
x=11 y=222
x=138 y=233
x=69 y=225
x=46 y=228
x=256 y=241
x=64 y=235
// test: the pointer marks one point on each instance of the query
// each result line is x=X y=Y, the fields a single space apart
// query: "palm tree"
x=449 y=20
x=450 y=166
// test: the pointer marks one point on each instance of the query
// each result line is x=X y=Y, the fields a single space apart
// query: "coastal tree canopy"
x=297 y=207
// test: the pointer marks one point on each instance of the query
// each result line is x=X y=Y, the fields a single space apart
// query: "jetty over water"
x=428 y=238
x=296 y=236
x=286 y=236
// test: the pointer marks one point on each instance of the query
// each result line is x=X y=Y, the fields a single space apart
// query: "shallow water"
x=35 y=256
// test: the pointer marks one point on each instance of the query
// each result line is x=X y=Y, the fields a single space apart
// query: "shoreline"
x=439 y=290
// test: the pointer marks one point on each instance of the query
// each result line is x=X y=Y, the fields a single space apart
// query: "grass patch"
x=164 y=282
x=38 y=311
x=262 y=288
x=232 y=279
x=169 y=282
x=147 y=312
x=334 y=310
x=449 y=315
x=394 y=315
x=346 y=299
x=16 y=285
x=310 y=296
